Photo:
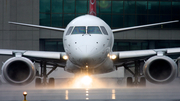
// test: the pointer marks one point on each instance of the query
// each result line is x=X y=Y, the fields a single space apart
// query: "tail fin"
x=92 y=7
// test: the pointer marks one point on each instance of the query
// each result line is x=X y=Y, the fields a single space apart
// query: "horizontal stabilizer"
x=37 y=26
x=141 y=26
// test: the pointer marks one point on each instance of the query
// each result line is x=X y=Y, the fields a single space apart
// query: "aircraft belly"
x=72 y=68
x=105 y=67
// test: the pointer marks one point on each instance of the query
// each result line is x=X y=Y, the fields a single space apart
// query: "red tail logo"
x=92 y=7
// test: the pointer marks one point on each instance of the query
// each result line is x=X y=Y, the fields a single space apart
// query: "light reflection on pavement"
x=150 y=93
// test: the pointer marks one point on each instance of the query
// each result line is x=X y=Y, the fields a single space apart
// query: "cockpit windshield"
x=84 y=30
x=69 y=30
x=93 y=30
x=104 y=30
x=79 y=30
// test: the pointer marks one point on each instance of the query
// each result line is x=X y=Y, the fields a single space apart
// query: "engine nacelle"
x=18 y=71
x=160 y=69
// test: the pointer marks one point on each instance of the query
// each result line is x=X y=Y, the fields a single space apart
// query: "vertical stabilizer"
x=92 y=7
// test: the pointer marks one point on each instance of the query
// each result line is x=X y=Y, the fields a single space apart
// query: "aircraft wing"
x=37 y=26
x=126 y=56
x=52 y=58
x=142 y=26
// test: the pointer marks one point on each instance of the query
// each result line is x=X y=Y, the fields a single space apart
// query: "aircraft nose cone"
x=86 y=50
x=86 y=54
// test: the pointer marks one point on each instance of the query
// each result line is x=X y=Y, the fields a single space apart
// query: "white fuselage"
x=87 y=41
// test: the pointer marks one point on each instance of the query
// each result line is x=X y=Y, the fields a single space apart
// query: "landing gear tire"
x=142 y=82
x=51 y=82
x=129 y=82
x=38 y=82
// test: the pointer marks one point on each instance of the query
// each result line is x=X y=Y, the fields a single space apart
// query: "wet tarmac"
x=170 y=92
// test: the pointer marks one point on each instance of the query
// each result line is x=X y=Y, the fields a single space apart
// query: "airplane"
x=88 y=43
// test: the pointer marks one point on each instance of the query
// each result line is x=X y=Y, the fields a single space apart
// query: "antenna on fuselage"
x=92 y=7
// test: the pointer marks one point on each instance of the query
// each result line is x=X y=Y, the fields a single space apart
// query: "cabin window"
x=69 y=30
x=104 y=30
x=93 y=30
x=79 y=30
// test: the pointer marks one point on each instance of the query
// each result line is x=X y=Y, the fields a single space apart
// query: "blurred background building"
x=116 y=13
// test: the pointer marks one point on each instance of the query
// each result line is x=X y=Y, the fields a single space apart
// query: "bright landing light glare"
x=113 y=57
x=86 y=80
x=65 y=57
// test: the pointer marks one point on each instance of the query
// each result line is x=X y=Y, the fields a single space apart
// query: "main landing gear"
x=42 y=80
x=137 y=74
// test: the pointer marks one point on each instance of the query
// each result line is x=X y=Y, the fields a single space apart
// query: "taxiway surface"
x=170 y=92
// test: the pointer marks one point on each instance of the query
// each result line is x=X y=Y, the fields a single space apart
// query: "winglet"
x=37 y=26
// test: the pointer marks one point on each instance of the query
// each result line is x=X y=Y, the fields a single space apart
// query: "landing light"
x=113 y=57
x=86 y=80
x=65 y=57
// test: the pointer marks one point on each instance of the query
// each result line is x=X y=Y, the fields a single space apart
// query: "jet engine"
x=160 y=69
x=18 y=71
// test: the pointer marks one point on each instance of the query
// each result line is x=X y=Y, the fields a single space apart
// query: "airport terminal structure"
x=116 y=13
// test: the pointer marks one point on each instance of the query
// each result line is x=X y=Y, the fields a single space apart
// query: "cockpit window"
x=104 y=30
x=69 y=30
x=79 y=30
x=93 y=30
